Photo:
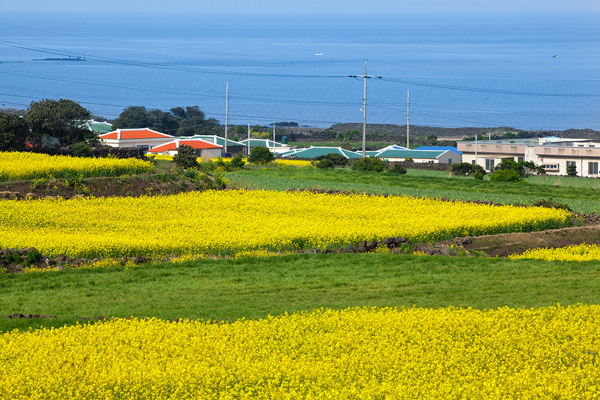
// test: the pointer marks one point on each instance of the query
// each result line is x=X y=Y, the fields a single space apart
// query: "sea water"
x=527 y=71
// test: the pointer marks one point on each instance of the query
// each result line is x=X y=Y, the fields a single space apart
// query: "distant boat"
x=318 y=54
x=555 y=56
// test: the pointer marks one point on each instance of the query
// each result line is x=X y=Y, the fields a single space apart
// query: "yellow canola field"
x=359 y=353
x=16 y=166
x=227 y=222
x=582 y=252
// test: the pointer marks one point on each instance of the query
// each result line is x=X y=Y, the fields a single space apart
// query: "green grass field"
x=253 y=288
x=580 y=194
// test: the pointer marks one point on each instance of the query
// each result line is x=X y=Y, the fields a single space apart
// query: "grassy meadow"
x=227 y=290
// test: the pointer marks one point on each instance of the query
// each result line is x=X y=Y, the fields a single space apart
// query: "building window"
x=489 y=163
x=551 y=167
x=144 y=147
x=449 y=161
x=519 y=159
x=592 y=168
x=473 y=162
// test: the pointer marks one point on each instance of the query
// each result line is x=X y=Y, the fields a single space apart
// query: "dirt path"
x=505 y=244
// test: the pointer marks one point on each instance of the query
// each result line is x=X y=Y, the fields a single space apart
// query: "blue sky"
x=300 y=6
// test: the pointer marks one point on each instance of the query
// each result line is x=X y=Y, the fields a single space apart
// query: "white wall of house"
x=489 y=160
x=205 y=153
x=150 y=142
x=448 y=157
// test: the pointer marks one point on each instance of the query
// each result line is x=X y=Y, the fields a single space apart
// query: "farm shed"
x=203 y=148
x=420 y=156
x=274 y=147
x=440 y=148
x=314 y=152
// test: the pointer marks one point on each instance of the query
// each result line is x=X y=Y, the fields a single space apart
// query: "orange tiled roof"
x=134 y=134
x=196 y=144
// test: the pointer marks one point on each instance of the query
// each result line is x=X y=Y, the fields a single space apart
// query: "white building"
x=144 y=138
x=554 y=154
x=420 y=156
x=202 y=148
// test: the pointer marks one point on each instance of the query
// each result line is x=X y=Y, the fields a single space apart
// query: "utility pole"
x=248 y=138
x=476 y=149
x=274 y=138
x=364 y=110
x=407 y=118
x=226 y=114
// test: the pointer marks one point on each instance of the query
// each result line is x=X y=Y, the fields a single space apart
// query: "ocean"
x=527 y=71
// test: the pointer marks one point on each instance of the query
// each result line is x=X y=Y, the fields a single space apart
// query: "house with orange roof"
x=144 y=138
x=202 y=148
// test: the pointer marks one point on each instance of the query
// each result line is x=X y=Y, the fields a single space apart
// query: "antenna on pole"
x=226 y=115
x=407 y=119
x=364 y=110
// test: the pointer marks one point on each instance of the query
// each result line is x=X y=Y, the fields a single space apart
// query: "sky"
x=300 y=6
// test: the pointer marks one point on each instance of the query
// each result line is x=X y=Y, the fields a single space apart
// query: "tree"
x=572 y=170
x=185 y=157
x=139 y=117
x=63 y=119
x=260 y=155
x=14 y=131
x=192 y=121
x=132 y=117
x=432 y=139
x=467 y=169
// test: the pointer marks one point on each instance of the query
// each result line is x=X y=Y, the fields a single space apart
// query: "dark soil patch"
x=505 y=244
x=132 y=186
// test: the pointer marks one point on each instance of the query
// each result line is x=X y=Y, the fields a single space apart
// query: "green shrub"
x=369 y=164
x=33 y=256
x=12 y=257
x=81 y=149
x=571 y=170
x=552 y=204
x=467 y=169
x=220 y=162
x=238 y=161
x=505 y=175
x=397 y=168
x=260 y=155
x=478 y=175
x=346 y=145
x=326 y=163
x=409 y=159
x=335 y=159
x=185 y=157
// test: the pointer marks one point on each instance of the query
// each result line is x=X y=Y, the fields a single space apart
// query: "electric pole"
x=364 y=110
x=274 y=138
x=407 y=118
x=248 y=138
x=226 y=115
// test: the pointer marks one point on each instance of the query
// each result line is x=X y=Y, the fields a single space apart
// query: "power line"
x=482 y=90
x=158 y=66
